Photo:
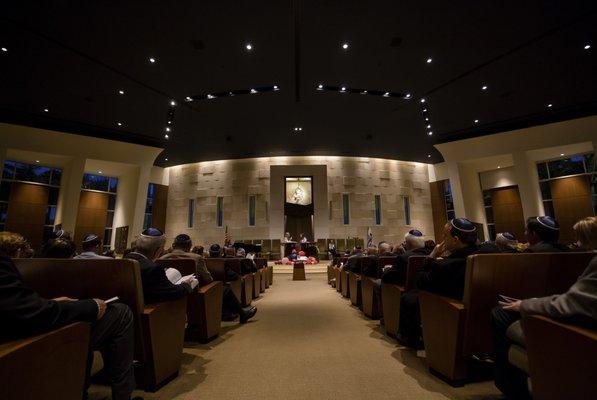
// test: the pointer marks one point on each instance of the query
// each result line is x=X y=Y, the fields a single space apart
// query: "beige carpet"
x=307 y=342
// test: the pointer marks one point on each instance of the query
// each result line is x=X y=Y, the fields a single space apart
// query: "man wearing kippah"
x=181 y=248
x=156 y=286
x=91 y=247
x=543 y=233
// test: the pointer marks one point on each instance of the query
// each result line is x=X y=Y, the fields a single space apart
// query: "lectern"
x=298 y=272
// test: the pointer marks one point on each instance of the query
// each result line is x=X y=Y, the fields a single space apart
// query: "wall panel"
x=27 y=211
x=571 y=202
x=91 y=216
x=507 y=211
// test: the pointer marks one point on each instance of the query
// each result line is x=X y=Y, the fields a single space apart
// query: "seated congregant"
x=229 y=252
x=443 y=273
x=351 y=263
x=24 y=313
x=61 y=247
x=181 y=248
x=91 y=246
x=414 y=245
x=506 y=242
x=577 y=305
x=293 y=256
x=385 y=249
x=198 y=250
x=215 y=251
x=543 y=234
x=149 y=246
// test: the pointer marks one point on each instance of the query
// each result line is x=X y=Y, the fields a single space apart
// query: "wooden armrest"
x=390 y=299
x=210 y=286
x=47 y=366
x=443 y=320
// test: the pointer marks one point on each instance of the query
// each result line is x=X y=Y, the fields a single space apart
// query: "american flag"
x=369 y=237
x=226 y=237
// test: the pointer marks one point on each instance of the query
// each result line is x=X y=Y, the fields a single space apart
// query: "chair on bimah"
x=454 y=330
x=159 y=327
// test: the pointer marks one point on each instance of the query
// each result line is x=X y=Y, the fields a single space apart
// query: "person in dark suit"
x=215 y=251
x=543 y=233
x=351 y=263
x=414 y=245
x=442 y=273
x=156 y=286
x=24 y=313
x=506 y=242
x=578 y=305
x=62 y=247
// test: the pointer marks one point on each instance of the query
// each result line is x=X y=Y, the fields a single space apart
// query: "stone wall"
x=235 y=180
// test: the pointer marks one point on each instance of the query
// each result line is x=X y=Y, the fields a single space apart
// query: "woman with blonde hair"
x=586 y=233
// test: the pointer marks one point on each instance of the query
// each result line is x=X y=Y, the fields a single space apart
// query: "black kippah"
x=152 y=232
x=415 y=232
x=548 y=222
x=183 y=238
x=214 y=247
x=463 y=225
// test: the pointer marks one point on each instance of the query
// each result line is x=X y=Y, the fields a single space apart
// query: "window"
x=251 y=210
x=449 y=201
x=345 y=209
x=191 y=215
x=377 y=209
x=330 y=211
x=100 y=183
x=149 y=206
x=406 y=205
x=219 y=211
x=489 y=213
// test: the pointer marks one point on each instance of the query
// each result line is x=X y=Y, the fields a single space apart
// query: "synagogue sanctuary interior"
x=298 y=199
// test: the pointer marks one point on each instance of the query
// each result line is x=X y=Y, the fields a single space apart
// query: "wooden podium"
x=298 y=272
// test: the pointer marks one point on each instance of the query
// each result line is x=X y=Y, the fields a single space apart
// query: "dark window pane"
x=378 y=209
x=486 y=198
x=489 y=214
x=95 y=182
x=50 y=215
x=53 y=196
x=191 y=215
x=110 y=219
x=593 y=184
x=220 y=211
x=48 y=230
x=590 y=163
x=1 y=227
x=448 y=189
x=9 y=170
x=450 y=214
x=41 y=174
x=113 y=185
x=149 y=205
x=21 y=171
x=542 y=171
x=449 y=203
x=151 y=190
x=3 y=212
x=112 y=202
x=545 y=190
x=345 y=209
x=251 y=210
x=406 y=205
x=5 y=191
x=567 y=166
x=548 y=208
x=491 y=229
x=56 y=176
x=147 y=221
x=595 y=205
x=107 y=237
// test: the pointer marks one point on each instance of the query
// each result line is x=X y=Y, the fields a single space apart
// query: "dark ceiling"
x=72 y=57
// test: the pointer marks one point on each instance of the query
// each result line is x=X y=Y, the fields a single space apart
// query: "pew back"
x=516 y=275
x=217 y=268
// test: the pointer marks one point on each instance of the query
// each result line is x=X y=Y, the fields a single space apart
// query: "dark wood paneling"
x=507 y=211
x=160 y=202
x=438 y=208
x=571 y=202
x=91 y=216
x=27 y=211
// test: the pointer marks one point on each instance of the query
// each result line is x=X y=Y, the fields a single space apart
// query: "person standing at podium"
x=303 y=238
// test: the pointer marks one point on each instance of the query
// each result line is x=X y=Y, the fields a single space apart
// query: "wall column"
x=528 y=184
x=70 y=191
x=456 y=185
x=140 y=201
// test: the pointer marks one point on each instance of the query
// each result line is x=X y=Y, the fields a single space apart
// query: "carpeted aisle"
x=306 y=342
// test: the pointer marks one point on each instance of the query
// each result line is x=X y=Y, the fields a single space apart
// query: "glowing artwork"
x=298 y=191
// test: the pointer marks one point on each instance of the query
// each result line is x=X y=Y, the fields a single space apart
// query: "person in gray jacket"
x=578 y=303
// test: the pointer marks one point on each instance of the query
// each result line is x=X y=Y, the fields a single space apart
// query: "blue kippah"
x=183 y=238
x=58 y=234
x=463 y=225
x=152 y=232
x=415 y=232
x=509 y=235
x=90 y=237
x=548 y=222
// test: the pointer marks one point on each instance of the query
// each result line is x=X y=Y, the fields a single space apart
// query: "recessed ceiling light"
x=428 y=155
x=300 y=128
x=429 y=60
x=587 y=47
x=345 y=46
x=169 y=122
x=46 y=110
x=151 y=60
x=364 y=92
x=121 y=91
x=407 y=96
x=168 y=129
x=476 y=121
x=320 y=86
x=484 y=87
x=422 y=100
x=249 y=46
x=166 y=136
x=386 y=94
x=343 y=89
x=426 y=119
x=430 y=133
x=275 y=87
x=230 y=93
x=4 y=49
x=172 y=103
x=561 y=154
x=165 y=159
x=119 y=123
x=209 y=97
x=499 y=167
x=428 y=126
x=253 y=91
x=424 y=110
x=37 y=161
x=188 y=98
x=99 y=172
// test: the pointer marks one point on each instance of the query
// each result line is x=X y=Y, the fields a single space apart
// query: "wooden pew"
x=159 y=327
x=562 y=359
x=454 y=330
x=49 y=366
x=354 y=284
x=371 y=306
x=345 y=287
x=217 y=268
x=261 y=264
x=391 y=294
x=204 y=305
